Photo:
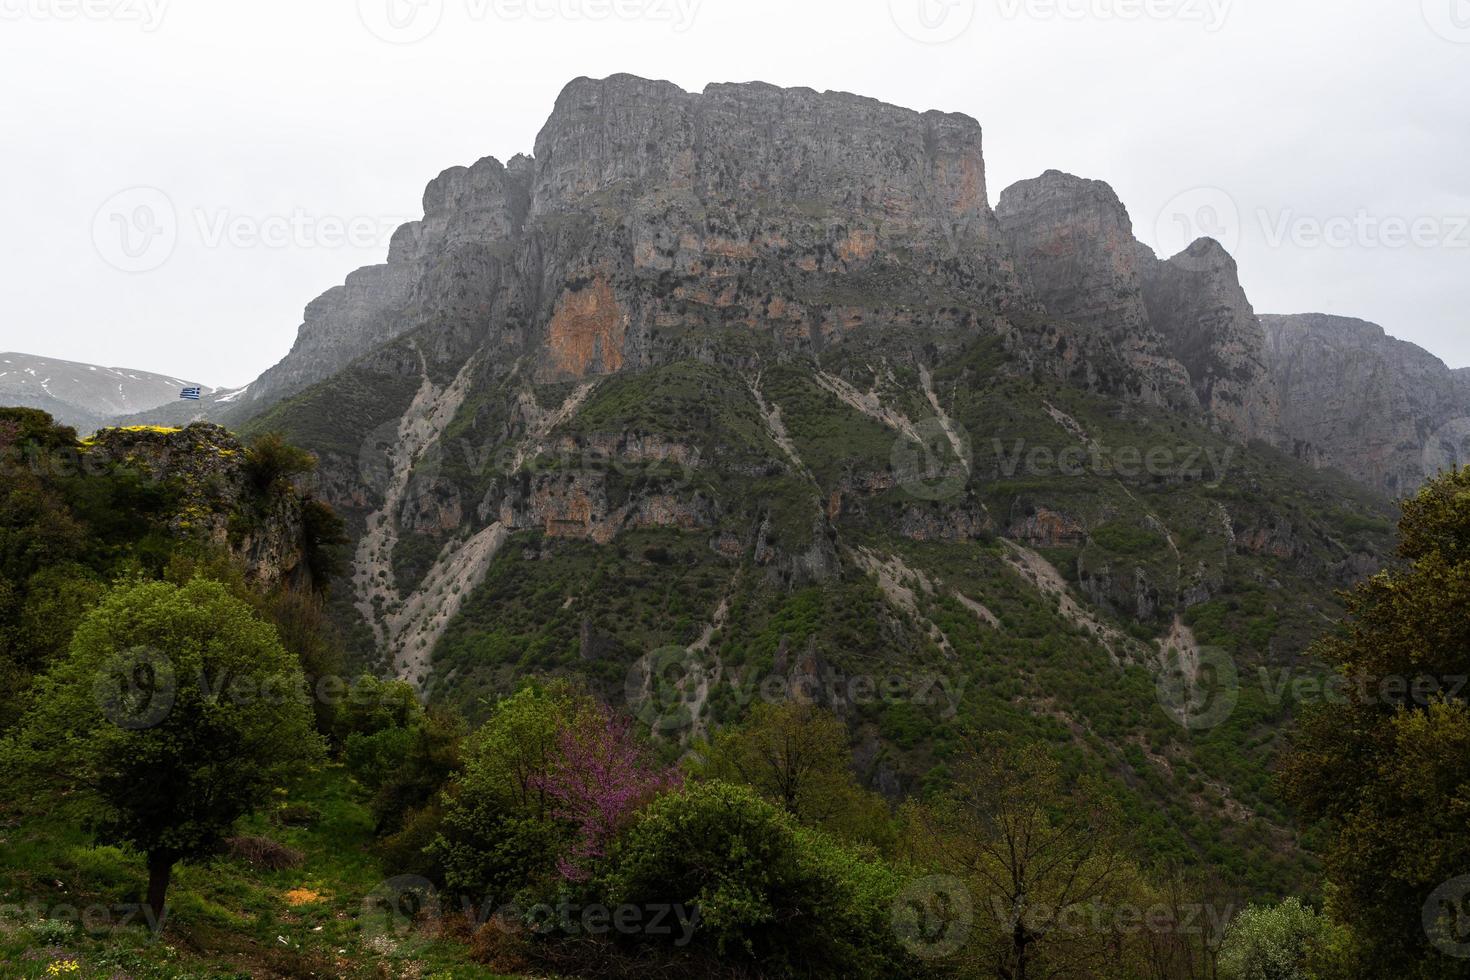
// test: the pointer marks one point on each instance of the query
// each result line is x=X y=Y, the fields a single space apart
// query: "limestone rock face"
x=1184 y=324
x=1072 y=241
x=649 y=211
x=206 y=465
x=435 y=266
x=652 y=220
x=651 y=216
x=1196 y=302
x=1384 y=411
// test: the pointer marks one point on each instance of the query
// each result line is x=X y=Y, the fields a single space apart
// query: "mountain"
x=1383 y=410
x=1185 y=322
x=85 y=396
x=755 y=382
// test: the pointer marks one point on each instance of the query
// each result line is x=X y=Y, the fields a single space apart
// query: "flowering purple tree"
x=598 y=778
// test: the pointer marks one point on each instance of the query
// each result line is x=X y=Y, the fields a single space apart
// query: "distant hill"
x=85 y=396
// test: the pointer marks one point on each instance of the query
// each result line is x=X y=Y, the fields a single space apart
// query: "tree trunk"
x=160 y=869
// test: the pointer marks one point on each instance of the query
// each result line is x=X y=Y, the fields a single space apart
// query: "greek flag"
x=191 y=394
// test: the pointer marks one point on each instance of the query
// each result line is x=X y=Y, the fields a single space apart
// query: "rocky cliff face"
x=1382 y=410
x=1196 y=301
x=1072 y=241
x=436 y=267
x=756 y=375
x=747 y=203
x=1185 y=324
x=654 y=223
x=263 y=528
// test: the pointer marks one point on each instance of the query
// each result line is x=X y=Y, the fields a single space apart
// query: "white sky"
x=245 y=114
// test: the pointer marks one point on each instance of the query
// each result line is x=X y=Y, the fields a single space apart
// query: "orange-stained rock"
x=587 y=330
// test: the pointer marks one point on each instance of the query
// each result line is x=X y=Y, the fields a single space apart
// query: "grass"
x=226 y=919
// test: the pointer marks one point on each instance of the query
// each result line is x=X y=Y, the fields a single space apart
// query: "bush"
x=1277 y=942
x=272 y=460
x=498 y=833
x=792 y=900
x=262 y=852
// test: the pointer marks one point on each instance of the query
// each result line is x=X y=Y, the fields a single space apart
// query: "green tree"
x=1036 y=858
x=399 y=750
x=271 y=461
x=1384 y=772
x=175 y=712
x=497 y=831
x=795 y=755
x=1277 y=942
x=745 y=880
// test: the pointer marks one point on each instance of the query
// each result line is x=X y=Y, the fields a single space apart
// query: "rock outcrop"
x=1184 y=324
x=1196 y=302
x=264 y=528
x=646 y=207
x=440 y=266
x=1073 y=244
x=1382 y=410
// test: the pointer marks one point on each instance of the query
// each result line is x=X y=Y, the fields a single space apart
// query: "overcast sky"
x=255 y=152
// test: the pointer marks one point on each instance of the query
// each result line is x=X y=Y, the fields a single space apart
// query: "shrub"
x=272 y=460
x=498 y=833
x=262 y=852
x=790 y=899
x=1275 y=942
